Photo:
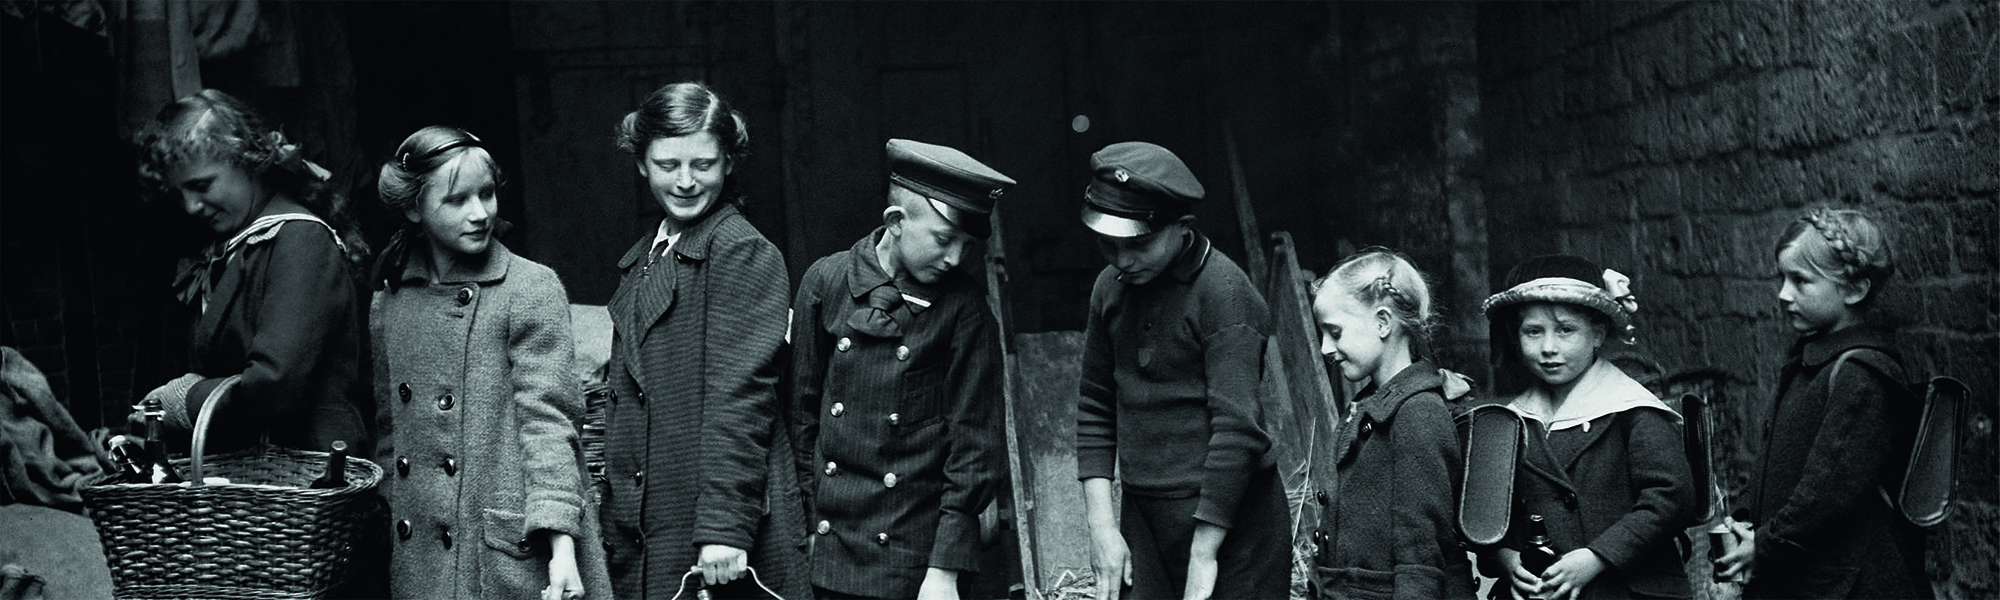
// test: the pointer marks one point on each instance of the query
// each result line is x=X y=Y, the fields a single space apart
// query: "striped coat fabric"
x=697 y=451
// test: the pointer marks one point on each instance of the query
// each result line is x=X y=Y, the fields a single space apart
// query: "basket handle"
x=201 y=422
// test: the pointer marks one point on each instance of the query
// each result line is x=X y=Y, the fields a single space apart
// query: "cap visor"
x=1113 y=226
x=972 y=223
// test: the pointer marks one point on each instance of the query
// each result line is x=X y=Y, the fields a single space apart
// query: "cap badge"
x=1120 y=176
x=995 y=194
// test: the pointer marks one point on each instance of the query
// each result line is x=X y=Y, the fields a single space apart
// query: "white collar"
x=1601 y=390
x=661 y=235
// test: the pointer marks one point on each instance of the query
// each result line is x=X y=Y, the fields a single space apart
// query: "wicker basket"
x=262 y=535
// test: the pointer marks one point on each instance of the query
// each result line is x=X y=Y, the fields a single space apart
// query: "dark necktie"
x=885 y=314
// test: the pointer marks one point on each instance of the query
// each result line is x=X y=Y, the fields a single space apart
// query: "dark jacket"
x=286 y=315
x=1389 y=527
x=477 y=413
x=899 y=435
x=696 y=448
x=1831 y=449
x=1619 y=485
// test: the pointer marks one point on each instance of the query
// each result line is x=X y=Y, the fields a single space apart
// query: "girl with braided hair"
x=279 y=336
x=1838 y=433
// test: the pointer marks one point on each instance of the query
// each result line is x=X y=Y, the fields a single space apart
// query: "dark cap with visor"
x=1136 y=188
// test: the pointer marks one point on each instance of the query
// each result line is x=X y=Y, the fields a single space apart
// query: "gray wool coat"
x=697 y=450
x=477 y=407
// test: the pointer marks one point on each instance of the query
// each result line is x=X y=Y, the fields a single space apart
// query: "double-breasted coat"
x=697 y=450
x=1617 y=483
x=478 y=409
x=1389 y=525
x=897 y=424
x=1833 y=453
x=284 y=314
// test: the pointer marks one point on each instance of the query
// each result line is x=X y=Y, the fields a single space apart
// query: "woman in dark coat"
x=477 y=402
x=697 y=453
x=1605 y=465
x=279 y=338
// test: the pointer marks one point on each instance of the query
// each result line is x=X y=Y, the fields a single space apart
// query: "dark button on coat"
x=911 y=421
x=501 y=463
x=696 y=447
x=1391 y=532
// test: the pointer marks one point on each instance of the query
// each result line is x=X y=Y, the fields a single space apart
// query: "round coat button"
x=1569 y=501
x=831 y=468
x=450 y=466
x=889 y=480
x=403 y=529
x=882 y=539
x=403 y=466
x=1323 y=500
x=895 y=419
x=902 y=353
x=824 y=528
x=638 y=478
x=1367 y=428
x=403 y=391
x=524 y=546
x=844 y=344
x=444 y=535
x=464 y=296
x=838 y=409
x=445 y=402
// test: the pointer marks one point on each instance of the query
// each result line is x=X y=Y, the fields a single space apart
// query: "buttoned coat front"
x=477 y=405
x=697 y=450
x=1625 y=494
x=1389 y=529
x=898 y=434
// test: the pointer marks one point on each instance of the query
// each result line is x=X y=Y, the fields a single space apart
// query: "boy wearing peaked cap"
x=896 y=387
x=1172 y=363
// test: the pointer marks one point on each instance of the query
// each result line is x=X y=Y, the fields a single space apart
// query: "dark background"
x=1668 y=140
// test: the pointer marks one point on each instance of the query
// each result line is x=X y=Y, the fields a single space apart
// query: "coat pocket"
x=511 y=569
x=924 y=396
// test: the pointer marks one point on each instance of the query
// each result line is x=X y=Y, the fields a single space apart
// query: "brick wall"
x=1673 y=140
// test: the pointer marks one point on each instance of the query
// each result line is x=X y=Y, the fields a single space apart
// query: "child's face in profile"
x=1349 y=333
x=926 y=245
x=1813 y=301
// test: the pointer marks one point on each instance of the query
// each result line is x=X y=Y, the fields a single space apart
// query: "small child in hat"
x=1605 y=466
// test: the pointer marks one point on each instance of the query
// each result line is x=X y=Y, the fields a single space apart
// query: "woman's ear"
x=1385 y=323
x=640 y=163
x=728 y=166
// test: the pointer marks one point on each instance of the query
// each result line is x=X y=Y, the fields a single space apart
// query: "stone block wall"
x=1674 y=140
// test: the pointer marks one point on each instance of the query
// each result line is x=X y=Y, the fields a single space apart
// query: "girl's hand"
x=1111 y=560
x=1567 y=578
x=565 y=582
x=1744 y=557
x=721 y=564
x=1523 y=583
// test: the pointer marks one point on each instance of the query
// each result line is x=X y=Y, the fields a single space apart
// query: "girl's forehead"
x=1554 y=311
x=471 y=169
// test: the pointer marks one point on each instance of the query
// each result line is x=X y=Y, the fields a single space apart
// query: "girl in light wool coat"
x=475 y=398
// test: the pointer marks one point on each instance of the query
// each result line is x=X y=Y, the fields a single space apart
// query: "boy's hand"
x=1201 y=561
x=1111 y=560
x=939 y=584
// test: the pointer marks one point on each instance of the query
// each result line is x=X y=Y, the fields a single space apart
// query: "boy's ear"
x=412 y=214
x=893 y=215
x=1853 y=292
